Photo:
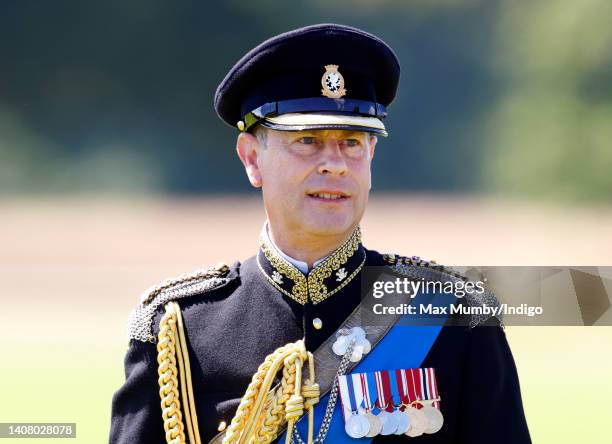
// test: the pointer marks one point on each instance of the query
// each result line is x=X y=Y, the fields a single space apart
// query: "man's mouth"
x=329 y=195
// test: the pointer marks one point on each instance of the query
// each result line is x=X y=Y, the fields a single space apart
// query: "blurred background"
x=512 y=96
x=115 y=173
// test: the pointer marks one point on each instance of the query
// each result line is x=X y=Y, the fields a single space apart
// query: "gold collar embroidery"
x=326 y=279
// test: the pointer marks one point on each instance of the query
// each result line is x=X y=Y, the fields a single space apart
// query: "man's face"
x=314 y=182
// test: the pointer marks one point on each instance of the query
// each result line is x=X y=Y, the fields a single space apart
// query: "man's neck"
x=307 y=248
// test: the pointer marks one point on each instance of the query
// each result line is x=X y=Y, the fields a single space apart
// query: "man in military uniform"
x=243 y=353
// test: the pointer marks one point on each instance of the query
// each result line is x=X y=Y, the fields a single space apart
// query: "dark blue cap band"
x=316 y=105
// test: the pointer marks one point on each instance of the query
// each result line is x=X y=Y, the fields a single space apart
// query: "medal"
x=375 y=425
x=386 y=417
x=341 y=345
x=429 y=393
x=418 y=422
x=387 y=421
x=368 y=403
x=352 y=425
x=351 y=398
x=388 y=391
x=355 y=335
x=357 y=426
x=362 y=345
x=435 y=420
x=357 y=392
x=399 y=390
x=403 y=422
x=431 y=378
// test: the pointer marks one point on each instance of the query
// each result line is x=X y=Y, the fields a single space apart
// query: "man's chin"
x=328 y=227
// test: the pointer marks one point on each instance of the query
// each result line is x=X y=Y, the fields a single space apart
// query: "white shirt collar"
x=300 y=265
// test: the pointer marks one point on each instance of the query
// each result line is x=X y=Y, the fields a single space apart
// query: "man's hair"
x=261 y=132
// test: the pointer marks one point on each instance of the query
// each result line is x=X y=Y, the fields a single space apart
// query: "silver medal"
x=403 y=422
x=356 y=336
x=341 y=345
x=389 y=426
x=375 y=425
x=418 y=422
x=357 y=426
x=435 y=420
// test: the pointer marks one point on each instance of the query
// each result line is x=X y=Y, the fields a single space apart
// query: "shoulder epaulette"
x=486 y=299
x=399 y=263
x=188 y=284
x=417 y=268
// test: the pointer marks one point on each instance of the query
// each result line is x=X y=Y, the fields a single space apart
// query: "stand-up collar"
x=300 y=265
x=327 y=277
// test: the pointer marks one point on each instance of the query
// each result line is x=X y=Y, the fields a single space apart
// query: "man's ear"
x=247 y=147
x=373 y=141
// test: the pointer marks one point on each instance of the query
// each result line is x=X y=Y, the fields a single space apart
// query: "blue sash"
x=405 y=346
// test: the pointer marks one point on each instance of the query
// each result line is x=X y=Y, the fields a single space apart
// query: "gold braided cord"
x=263 y=410
x=185 y=376
x=266 y=383
x=281 y=401
x=295 y=406
x=170 y=308
x=310 y=391
x=168 y=382
x=244 y=409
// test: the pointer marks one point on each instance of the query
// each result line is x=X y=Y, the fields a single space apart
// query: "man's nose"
x=332 y=161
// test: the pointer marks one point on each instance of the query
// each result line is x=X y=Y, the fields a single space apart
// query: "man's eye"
x=352 y=142
x=307 y=140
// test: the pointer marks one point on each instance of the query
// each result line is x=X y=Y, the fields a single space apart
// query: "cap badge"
x=332 y=82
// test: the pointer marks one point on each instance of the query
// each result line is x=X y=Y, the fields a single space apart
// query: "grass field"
x=72 y=268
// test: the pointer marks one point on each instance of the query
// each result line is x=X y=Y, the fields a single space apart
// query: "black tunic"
x=231 y=328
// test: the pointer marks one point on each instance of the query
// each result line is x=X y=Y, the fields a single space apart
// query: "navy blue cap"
x=320 y=76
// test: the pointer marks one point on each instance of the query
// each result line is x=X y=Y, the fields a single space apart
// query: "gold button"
x=317 y=323
x=222 y=426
